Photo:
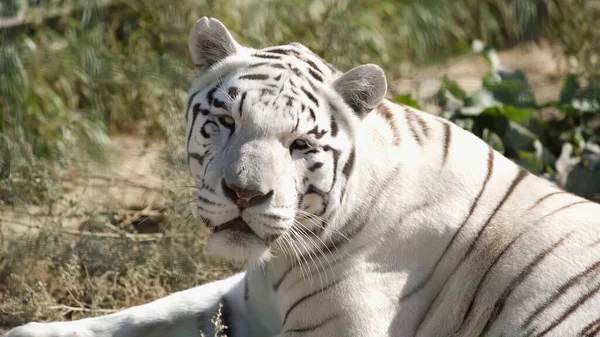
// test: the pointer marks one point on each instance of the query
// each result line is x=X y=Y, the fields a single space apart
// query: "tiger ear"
x=362 y=87
x=210 y=42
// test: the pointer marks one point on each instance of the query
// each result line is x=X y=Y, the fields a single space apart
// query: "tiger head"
x=271 y=139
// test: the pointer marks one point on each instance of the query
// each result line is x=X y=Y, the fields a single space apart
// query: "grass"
x=66 y=274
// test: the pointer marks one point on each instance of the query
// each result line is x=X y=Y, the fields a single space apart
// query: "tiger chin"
x=358 y=216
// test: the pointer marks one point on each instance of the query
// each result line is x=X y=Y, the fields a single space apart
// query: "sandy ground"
x=129 y=191
x=544 y=66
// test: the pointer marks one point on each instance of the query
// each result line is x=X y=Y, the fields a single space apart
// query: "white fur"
x=408 y=201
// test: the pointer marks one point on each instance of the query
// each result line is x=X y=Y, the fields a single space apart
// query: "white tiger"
x=360 y=217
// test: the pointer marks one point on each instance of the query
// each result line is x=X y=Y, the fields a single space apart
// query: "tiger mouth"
x=237 y=225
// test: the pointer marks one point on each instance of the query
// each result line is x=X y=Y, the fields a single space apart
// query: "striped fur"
x=367 y=218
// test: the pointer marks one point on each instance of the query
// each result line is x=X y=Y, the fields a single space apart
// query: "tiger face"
x=271 y=139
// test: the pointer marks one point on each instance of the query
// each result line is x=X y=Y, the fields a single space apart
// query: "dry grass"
x=82 y=256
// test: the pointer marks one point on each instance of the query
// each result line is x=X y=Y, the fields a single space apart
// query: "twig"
x=130 y=236
x=18 y=223
x=68 y=308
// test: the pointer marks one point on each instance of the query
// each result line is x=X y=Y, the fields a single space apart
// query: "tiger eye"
x=299 y=144
x=227 y=121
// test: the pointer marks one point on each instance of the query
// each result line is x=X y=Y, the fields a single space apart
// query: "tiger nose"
x=244 y=198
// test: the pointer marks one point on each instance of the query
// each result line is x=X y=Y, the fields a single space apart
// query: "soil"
x=130 y=192
x=543 y=64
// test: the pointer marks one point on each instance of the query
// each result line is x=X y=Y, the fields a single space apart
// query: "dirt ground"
x=132 y=189
x=543 y=64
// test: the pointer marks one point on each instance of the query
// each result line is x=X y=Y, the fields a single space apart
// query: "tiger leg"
x=182 y=314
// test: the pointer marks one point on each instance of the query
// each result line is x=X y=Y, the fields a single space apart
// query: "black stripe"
x=539 y=201
x=522 y=174
x=210 y=96
x=297 y=72
x=316 y=326
x=190 y=102
x=559 y=293
x=278 y=51
x=422 y=124
x=591 y=329
x=199 y=158
x=447 y=139
x=500 y=303
x=410 y=119
x=282 y=277
x=306 y=297
x=241 y=106
x=570 y=310
x=490 y=165
x=313 y=66
x=256 y=65
x=290 y=100
x=310 y=96
x=333 y=126
x=233 y=92
x=390 y=118
x=253 y=77
x=246 y=288
x=352 y=230
x=219 y=104
x=567 y=206
x=189 y=137
x=265 y=91
x=315 y=75
x=315 y=131
x=335 y=153
x=206 y=201
x=267 y=56
x=315 y=166
x=312 y=114
x=349 y=164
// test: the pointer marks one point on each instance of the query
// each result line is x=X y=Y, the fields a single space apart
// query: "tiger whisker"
x=303 y=243
x=317 y=249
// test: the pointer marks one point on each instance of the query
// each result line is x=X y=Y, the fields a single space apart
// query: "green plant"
x=557 y=139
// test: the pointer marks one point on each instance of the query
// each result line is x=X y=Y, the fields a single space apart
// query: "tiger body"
x=360 y=217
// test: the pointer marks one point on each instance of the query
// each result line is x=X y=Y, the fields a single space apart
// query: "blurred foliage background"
x=74 y=73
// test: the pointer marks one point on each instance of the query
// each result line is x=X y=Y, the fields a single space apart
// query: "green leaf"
x=569 y=89
x=492 y=119
x=530 y=161
x=510 y=88
x=493 y=140
x=519 y=115
x=407 y=100
x=481 y=100
x=519 y=137
x=449 y=86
